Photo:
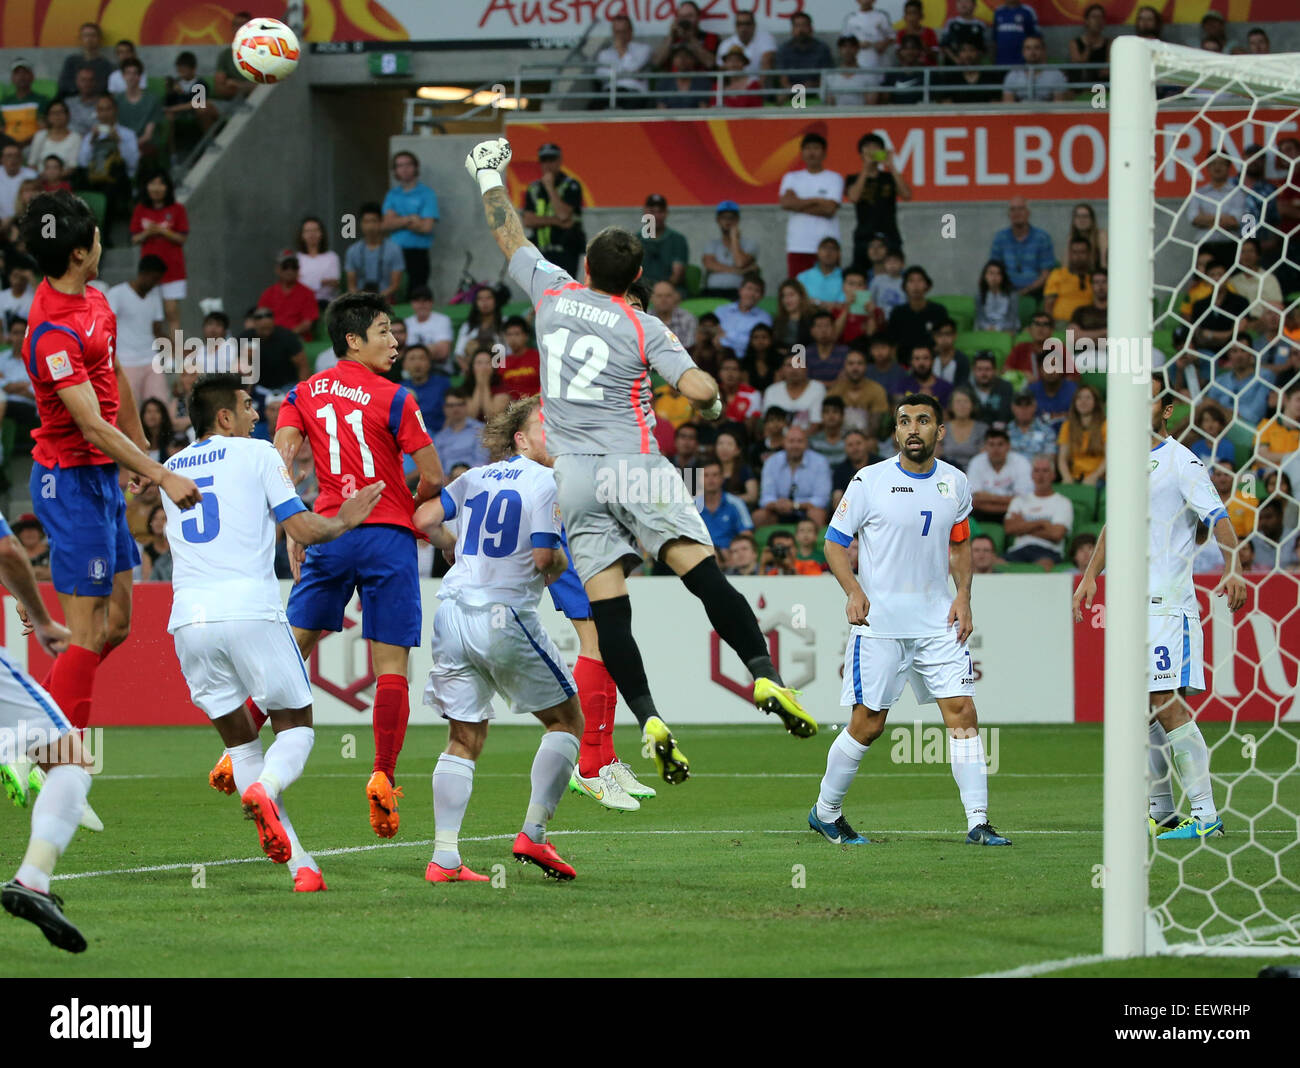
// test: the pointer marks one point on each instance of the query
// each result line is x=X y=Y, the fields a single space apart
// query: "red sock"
x=391 y=711
x=610 y=695
x=590 y=676
x=255 y=714
x=71 y=681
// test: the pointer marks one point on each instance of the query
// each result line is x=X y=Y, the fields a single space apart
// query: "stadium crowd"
x=810 y=365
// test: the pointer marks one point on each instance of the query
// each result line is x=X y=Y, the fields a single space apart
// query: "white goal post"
x=1141 y=246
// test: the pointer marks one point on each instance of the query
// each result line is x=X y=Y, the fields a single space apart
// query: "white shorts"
x=173 y=290
x=493 y=649
x=876 y=669
x=228 y=661
x=1175 y=654
x=29 y=718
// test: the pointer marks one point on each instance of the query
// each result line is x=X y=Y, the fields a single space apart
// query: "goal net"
x=1204 y=259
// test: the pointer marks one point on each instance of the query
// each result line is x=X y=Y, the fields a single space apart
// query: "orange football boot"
x=383 y=797
x=259 y=807
x=222 y=777
x=544 y=856
x=436 y=873
x=307 y=881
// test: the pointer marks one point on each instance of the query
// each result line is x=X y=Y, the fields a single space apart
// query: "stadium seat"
x=997 y=341
x=1084 y=499
x=697 y=306
x=1020 y=569
x=1086 y=528
x=961 y=309
x=1028 y=305
x=768 y=304
x=517 y=307
x=401 y=311
x=993 y=530
x=97 y=202
x=1243 y=437
x=761 y=534
x=46 y=87
x=314 y=349
x=1096 y=379
x=693 y=278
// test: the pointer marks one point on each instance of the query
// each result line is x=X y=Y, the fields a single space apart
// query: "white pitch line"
x=1028 y=971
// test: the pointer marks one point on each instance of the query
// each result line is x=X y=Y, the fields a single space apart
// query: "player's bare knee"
x=566 y=716
x=466 y=740
x=959 y=717
x=866 y=725
x=283 y=719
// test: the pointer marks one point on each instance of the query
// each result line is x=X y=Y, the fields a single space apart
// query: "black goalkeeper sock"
x=731 y=617
x=618 y=649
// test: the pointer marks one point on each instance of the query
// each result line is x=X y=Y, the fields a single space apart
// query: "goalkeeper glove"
x=487 y=162
x=714 y=410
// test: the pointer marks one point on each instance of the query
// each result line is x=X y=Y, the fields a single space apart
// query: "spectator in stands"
x=1208 y=439
x=1034 y=80
x=90 y=58
x=884 y=368
x=57 y=139
x=666 y=253
x=17 y=397
x=758 y=363
x=1257 y=286
x=189 y=111
x=1091 y=46
x=109 y=157
x=708 y=350
x=81 y=103
x=484 y=387
x=812 y=196
x=865 y=400
x=775 y=423
x=778 y=555
x=1081 y=443
x=964 y=437
x=803 y=53
x=22 y=112
x=874 y=193
x=178 y=410
x=796 y=394
x=728 y=256
x=155 y=552
x=1069 y=288
x=228 y=84
x=758 y=45
x=161 y=226
x=1053 y=394
x=724 y=514
x=1274 y=546
x=16 y=301
x=1024 y=250
x=430 y=389
x=996 y=301
x=1219 y=314
x=983 y=555
x=156 y=424
x=914 y=323
x=923 y=379
x=687 y=35
x=619 y=61
x=1039 y=521
x=684 y=88
x=795 y=484
x=282 y=360
x=739 y=317
x=29 y=532
x=220 y=350
x=1090 y=320
x=374 y=264
x=741 y=88
x=904 y=84
x=886 y=289
x=459 y=440
x=483 y=327
x=12 y=176
x=553 y=212
x=856 y=316
x=964 y=28
x=522 y=373
x=913 y=26
x=1029 y=435
x=964 y=84
x=424 y=326
x=829 y=441
x=950 y=364
x=51 y=177
x=741 y=403
x=1013 y=22
x=138 y=306
x=850 y=88
x=1278 y=439
x=1083 y=226
x=1217 y=206
x=1082 y=546
x=875 y=34
x=410 y=215
x=666 y=306
x=293 y=304
x=319 y=269
x=742 y=556
x=997 y=476
x=859 y=452
x=794 y=311
x=823 y=282
x=1213 y=28
x=687 y=455
x=1148 y=23
x=138 y=109
x=737 y=476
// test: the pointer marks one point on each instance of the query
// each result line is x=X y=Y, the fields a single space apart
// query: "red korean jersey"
x=358 y=425
x=69 y=340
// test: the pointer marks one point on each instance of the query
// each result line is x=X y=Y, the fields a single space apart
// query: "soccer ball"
x=265 y=50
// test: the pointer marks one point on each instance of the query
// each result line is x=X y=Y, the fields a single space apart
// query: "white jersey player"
x=488 y=638
x=614 y=488
x=1181 y=498
x=911 y=520
x=231 y=633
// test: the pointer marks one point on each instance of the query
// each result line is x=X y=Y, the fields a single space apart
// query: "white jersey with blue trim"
x=504 y=511
x=1182 y=497
x=903 y=523
x=223 y=548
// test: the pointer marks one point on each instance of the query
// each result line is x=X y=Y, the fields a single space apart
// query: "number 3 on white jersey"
x=589 y=352
x=353 y=419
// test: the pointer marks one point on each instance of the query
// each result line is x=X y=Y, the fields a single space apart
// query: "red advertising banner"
x=1056 y=155
x=1256 y=652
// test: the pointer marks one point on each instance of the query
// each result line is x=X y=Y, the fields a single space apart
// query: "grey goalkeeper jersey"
x=597 y=354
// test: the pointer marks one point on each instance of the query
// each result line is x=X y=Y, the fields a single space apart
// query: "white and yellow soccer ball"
x=265 y=50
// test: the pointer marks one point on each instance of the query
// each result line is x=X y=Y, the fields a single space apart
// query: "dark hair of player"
x=69 y=222
x=212 y=393
x=919 y=399
x=353 y=313
x=613 y=259
x=639 y=293
x=1161 y=392
x=499 y=433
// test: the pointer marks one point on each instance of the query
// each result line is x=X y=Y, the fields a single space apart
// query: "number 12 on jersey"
x=589 y=352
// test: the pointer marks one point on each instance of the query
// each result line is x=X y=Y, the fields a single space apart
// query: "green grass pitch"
x=718 y=876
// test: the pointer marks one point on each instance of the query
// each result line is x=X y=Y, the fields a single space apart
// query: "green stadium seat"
x=1083 y=497
x=1085 y=528
x=961 y=308
x=1019 y=569
x=157 y=86
x=998 y=341
x=697 y=306
x=1028 y=305
x=993 y=530
x=1163 y=339
x=1096 y=379
x=457 y=313
x=46 y=87
x=402 y=311
x=1101 y=504
x=516 y=307
x=98 y=203
x=761 y=534
x=768 y=304
x=1243 y=437
x=694 y=275
x=314 y=349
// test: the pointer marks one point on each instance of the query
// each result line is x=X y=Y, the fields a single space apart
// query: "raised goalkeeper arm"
x=486 y=165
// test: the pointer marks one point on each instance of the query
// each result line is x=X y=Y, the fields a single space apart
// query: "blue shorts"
x=567 y=593
x=84 y=515
x=378 y=561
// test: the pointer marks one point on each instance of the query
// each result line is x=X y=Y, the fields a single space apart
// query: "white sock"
x=55 y=817
x=246 y=764
x=1191 y=756
x=298 y=857
x=970 y=769
x=842 y=762
x=285 y=759
x=552 y=767
x=453 y=782
x=1160 y=786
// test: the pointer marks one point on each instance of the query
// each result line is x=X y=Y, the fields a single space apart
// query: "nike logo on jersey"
x=91 y=330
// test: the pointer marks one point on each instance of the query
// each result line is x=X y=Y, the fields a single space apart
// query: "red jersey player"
x=81 y=396
x=359 y=424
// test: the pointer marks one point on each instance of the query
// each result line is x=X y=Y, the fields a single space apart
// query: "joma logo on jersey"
x=900 y=489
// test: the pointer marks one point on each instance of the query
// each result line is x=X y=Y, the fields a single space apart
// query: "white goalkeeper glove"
x=714 y=410
x=487 y=162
